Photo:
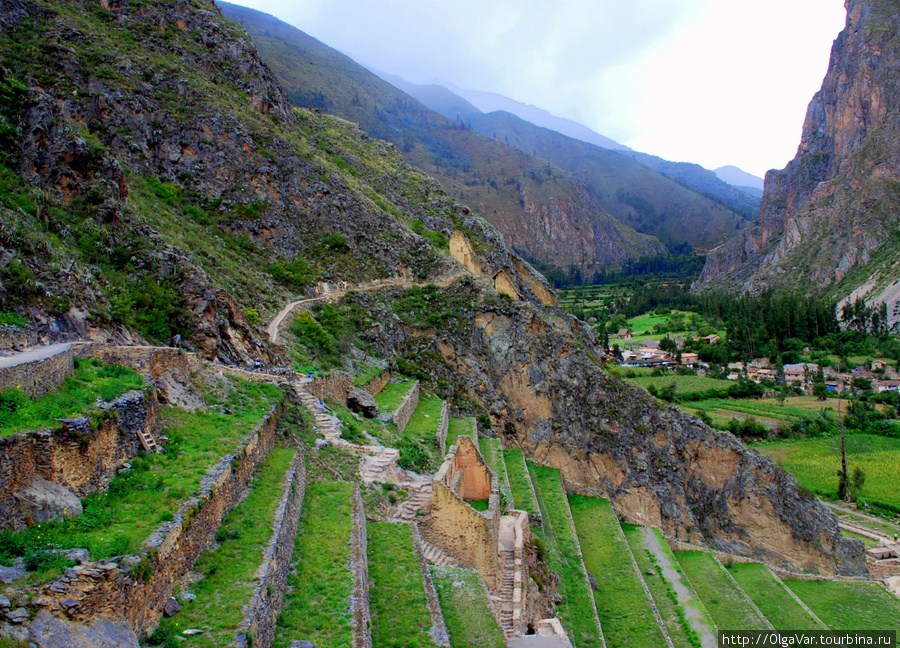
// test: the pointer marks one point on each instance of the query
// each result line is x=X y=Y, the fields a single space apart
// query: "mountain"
x=435 y=97
x=156 y=181
x=740 y=178
x=644 y=199
x=613 y=180
x=539 y=208
x=828 y=220
x=491 y=102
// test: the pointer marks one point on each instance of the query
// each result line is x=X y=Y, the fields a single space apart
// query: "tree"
x=820 y=390
x=858 y=479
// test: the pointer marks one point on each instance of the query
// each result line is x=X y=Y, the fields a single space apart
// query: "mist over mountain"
x=740 y=178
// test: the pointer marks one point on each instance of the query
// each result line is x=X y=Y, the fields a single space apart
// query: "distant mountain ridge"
x=739 y=178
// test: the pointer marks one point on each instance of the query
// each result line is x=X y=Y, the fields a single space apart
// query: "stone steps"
x=437 y=557
x=419 y=500
x=509 y=609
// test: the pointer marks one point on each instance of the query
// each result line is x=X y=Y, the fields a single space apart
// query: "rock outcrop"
x=538 y=375
x=827 y=219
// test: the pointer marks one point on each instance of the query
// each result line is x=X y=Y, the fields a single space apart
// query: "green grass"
x=424 y=422
x=518 y=480
x=865 y=540
x=682 y=635
x=392 y=395
x=317 y=603
x=458 y=427
x=577 y=608
x=229 y=570
x=770 y=597
x=794 y=408
x=399 y=606
x=464 y=604
x=492 y=451
x=728 y=608
x=625 y=613
x=76 y=397
x=815 y=462
x=138 y=501
x=850 y=606
x=684 y=385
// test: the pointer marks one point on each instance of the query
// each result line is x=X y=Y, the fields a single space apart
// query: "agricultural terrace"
x=772 y=598
x=769 y=411
x=419 y=447
x=77 y=396
x=727 y=605
x=519 y=483
x=140 y=500
x=685 y=386
x=492 y=450
x=228 y=570
x=398 y=604
x=625 y=613
x=672 y=611
x=457 y=428
x=464 y=604
x=850 y=606
x=389 y=398
x=317 y=603
x=577 y=608
x=815 y=463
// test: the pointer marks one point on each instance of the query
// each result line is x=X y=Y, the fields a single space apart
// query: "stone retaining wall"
x=268 y=595
x=405 y=411
x=137 y=587
x=443 y=425
x=81 y=455
x=359 y=599
x=40 y=377
x=337 y=385
x=438 y=628
x=377 y=383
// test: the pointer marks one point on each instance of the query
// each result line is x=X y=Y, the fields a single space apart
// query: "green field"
x=815 y=463
x=850 y=606
x=392 y=395
x=317 y=603
x=771 y=598
x=792 y=410
x=684 y=385
x=577 y=608
x=229 y=569
x=523 y=500
x=458 y=427
x=492 y=451
x=464 y=604
x=727 y=606
x=625 y=613
x=398 y=604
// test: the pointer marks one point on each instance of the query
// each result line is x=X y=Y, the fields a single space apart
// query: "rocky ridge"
x=827 y=219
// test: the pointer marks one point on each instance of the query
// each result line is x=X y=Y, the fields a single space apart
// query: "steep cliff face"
x=827 y=220
x=538 y=375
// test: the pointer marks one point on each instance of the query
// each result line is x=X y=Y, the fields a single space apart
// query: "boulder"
x=45 y=501
x=362 y=402
x=47 y=631
x=172 y=607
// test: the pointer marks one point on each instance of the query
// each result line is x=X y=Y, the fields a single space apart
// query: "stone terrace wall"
x=268 y=595
x=76 y=456
x=454 y=526
x=377 y=383
x=39 y=377
x=337 y=385
x=443 y=425
x=359 y=600
x=114 y=588
x=405 y=411
x=438 y=627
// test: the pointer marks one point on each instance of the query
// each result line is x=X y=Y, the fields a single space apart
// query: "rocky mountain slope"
x=828 y=220
x=156 y=180
x=516 y=191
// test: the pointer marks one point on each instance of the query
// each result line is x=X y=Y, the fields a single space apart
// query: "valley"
x=292 y=358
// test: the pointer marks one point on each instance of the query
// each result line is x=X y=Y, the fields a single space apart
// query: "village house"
x=690 y=359
x=712 y=339
x=885 y=385
x=624 y=334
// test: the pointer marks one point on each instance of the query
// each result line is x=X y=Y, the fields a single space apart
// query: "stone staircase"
x=419 y=500
x=437 y=557
x=509 y=609
x=328 y=425
x=380 y=465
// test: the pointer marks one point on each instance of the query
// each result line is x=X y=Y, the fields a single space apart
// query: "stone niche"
x=461 y=249
x=455 y=527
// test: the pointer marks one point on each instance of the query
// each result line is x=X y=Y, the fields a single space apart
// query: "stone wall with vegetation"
x=454 y=526
x=443 y=426
x=438 y=627
x=336 y=385
x=405 y=411
x=82 y=455
x=13 y=336
x=268 y=595
x=137 y=587
x=39 y=377
x=377 y=383
x=359 y=602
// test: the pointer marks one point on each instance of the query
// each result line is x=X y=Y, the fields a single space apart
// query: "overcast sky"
x=709 y=81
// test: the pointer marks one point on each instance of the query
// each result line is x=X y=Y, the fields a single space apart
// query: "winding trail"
x=697 y=619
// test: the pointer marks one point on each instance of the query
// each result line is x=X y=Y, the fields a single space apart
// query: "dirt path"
x=34 y=354
x=275 y=325
x=692 y=612
x=875 y=525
